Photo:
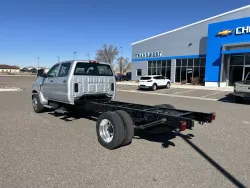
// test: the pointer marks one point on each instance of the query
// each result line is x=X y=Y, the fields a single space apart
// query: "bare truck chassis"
x=125 y=117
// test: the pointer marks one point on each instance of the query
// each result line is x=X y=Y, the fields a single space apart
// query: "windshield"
x=145 y=78
x=93 y=69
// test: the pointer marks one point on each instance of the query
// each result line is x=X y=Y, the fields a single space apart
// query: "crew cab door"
x=61 y=92
x=49 y=81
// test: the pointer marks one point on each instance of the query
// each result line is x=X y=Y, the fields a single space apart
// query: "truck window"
x=93 y=69
x=53 y=71
x=64 y=70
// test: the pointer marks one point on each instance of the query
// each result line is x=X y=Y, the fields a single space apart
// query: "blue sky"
x=51 y=28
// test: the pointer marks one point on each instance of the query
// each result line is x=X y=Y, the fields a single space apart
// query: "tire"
x=238 y=99
x=154 y=87
x=169 y=106
x=128 y=125
x=103 y=135
x=36 y=103
x=168 y=85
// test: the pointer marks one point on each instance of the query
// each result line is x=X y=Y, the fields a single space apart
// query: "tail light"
x=183 y=126
x=213 y=116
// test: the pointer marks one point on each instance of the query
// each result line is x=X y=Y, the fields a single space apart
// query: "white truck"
x=242 y=89
x=89 y=87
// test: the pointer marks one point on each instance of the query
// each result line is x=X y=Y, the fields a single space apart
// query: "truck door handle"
x=64 y=81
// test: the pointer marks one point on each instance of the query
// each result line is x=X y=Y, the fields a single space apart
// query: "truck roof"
x=84 y=61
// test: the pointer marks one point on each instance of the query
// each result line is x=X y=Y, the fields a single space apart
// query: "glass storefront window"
x=247 y=61
x=189 y=69
x=177 y=74
x=154 y=64
x=169 y=63
x=184 y=62
x=197 y=62
x=160 y=67
x=150 y=64
x=237 y=60
x=178 y=62
x=203 y=62
x=190 y=62
x=164 y=63
x=158 y=64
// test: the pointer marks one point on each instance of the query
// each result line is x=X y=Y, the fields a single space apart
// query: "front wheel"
x=36 y=103
x=168 y=85
x=154 y=87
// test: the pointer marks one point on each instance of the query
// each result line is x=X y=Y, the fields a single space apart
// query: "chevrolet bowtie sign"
x=238 y=31
x=225 y=32
x=148 y=54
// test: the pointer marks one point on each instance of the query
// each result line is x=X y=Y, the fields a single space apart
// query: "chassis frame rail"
x=146 y=116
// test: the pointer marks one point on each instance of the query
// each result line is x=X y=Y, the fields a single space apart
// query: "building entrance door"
x=236 y=69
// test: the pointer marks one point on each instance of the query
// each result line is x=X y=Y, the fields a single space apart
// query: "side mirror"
x=41 y=73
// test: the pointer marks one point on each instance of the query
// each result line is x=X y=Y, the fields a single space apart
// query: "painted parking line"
x=169 y=95
x=211 y=94
x=183 y=92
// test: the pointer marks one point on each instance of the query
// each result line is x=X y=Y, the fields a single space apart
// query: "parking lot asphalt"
x=183 y=93
x=41 y=150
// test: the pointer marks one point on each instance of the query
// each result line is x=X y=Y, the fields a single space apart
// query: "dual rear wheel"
x=115 y=129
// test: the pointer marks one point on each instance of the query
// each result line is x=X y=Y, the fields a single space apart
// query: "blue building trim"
x=168 y=57
x=246 y=50
x=220 y=34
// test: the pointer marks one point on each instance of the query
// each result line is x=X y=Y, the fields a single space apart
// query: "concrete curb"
x=230 y=89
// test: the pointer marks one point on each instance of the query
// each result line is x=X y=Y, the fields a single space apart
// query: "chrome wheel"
x=106 y=130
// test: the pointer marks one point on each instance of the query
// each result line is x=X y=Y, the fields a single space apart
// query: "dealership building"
x=215 y=51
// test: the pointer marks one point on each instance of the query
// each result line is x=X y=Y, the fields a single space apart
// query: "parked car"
x=242 y=89
x=154 y=82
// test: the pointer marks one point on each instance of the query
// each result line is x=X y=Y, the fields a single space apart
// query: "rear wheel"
x=110 y=130
x=36 y=103
x=128 y=126
x=154 y=87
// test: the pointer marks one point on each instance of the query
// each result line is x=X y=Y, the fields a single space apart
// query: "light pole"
x=58 y=59
x=121 y=60
x=88 y=56
x=74 y=55
x=38 y=58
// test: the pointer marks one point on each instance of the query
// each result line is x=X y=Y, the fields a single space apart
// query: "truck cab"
x=242 y=89
x=69 y=81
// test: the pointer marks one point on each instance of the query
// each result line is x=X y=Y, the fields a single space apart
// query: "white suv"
x=153 y=82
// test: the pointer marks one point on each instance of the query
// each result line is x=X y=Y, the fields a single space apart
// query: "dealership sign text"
x=148 y=54
x=242 y=30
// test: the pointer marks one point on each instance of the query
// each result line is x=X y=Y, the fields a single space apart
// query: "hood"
x=39 y=80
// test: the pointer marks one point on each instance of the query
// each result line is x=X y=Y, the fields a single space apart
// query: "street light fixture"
x=58 y=59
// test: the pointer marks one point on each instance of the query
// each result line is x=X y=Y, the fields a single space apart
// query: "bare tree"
x=123 y=64
x=107 y=53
